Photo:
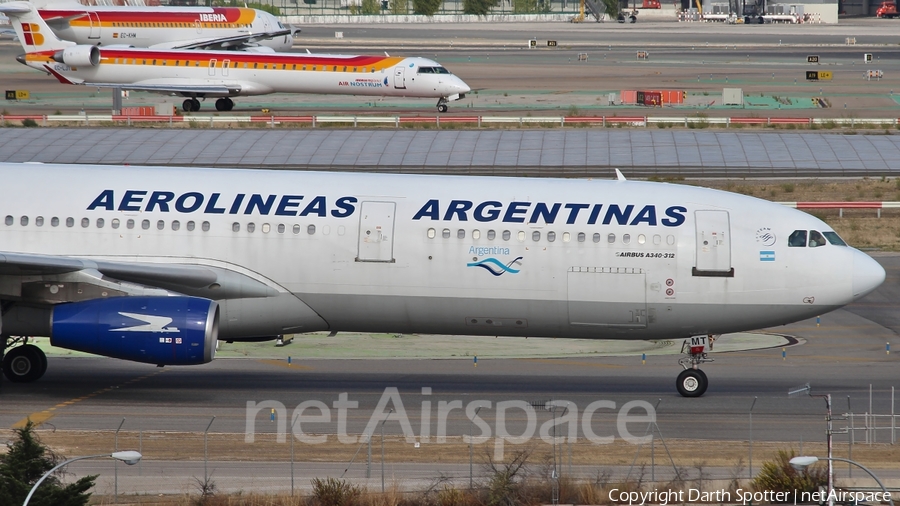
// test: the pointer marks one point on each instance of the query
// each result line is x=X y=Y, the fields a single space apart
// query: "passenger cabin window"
x=491 y=235
x=816 y=239
x=445 y=233
x=10 y=220
x=506 y=235
x=797 y=239
x=39 y=221
x=581 y=237
x=70 y=222
x=24 y=221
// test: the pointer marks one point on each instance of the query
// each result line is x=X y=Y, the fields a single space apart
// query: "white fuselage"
x=445 y=254
x=259 y=74
x=143 y=26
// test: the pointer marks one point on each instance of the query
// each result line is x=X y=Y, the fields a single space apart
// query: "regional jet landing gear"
x=23 y=363
x=442 y=104
x=224 y=104
x=692 y=382
x=191 y=105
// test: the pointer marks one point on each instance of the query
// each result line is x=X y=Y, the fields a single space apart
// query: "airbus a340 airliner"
x=155 y=264
x=224 y=74
x=166 y=27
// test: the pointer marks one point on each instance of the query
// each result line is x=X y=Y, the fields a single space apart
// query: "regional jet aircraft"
x=166 y=27
x=155 y=264
x=224 y=74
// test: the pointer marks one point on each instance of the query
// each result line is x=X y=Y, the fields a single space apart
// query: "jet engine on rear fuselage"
x=78 y=56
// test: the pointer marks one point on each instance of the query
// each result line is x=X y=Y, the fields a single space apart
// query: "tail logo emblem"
x=32 y=34
x=496 y=267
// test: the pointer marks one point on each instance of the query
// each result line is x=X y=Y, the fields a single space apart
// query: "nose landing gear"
x=692 y=382
x=442 y=104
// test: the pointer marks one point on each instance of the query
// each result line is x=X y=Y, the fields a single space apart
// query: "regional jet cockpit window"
x=432 y=70
x=797 y=239
x=834 y=239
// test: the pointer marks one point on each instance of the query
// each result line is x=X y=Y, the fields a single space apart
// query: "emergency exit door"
x=713 y=245
x=376 y=232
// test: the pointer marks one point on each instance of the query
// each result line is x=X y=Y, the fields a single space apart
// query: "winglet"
x=620 y=176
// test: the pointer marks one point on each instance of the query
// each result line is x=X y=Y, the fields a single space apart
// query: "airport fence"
x=613 y=121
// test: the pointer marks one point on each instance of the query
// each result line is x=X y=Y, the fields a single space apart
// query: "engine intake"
x=154 y=330
x=78 y=56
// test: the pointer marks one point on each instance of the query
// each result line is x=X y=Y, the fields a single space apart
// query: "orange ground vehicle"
x=650 y=4
x=887 y=10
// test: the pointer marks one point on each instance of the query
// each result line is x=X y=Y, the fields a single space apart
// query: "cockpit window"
x=816 y=239
x=797 y=239
x=834 y=239
x=432 y=70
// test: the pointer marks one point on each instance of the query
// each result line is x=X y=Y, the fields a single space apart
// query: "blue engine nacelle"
x=155 y=330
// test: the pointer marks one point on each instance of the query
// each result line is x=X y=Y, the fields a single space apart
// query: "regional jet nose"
x=459 y=86
x=867 y=274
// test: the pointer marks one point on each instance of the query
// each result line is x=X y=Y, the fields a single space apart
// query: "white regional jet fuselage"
x=294 y=252
x=143 y=26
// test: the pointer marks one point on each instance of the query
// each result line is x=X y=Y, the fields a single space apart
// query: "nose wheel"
x=692 y=382
x=442 y=105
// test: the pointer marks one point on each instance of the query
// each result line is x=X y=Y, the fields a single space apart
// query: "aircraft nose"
x=867 y=274
x=462 y=87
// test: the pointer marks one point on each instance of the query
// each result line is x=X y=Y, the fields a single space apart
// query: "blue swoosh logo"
x=494 y=266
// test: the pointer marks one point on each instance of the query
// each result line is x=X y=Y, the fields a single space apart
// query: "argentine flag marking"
x=766 y=256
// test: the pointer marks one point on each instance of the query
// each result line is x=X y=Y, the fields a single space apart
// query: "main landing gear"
x=442 y=104
x=224 y=104
x=191 y=105
x=24 y=363
x=692 y=382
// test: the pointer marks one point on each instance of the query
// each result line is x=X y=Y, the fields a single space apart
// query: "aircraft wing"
x=159 y=86
x=195 y=280
x=234 y=42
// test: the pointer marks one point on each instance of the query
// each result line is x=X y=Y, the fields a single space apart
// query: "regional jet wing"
x=157 y=86
x=235 y=42
x=197 y=280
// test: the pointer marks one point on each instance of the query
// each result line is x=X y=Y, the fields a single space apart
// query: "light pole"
x=129 y=457
x=804 y=462
x=751 y=437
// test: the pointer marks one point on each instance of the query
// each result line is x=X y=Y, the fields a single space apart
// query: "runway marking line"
x=40 y=417
x=283 y=363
